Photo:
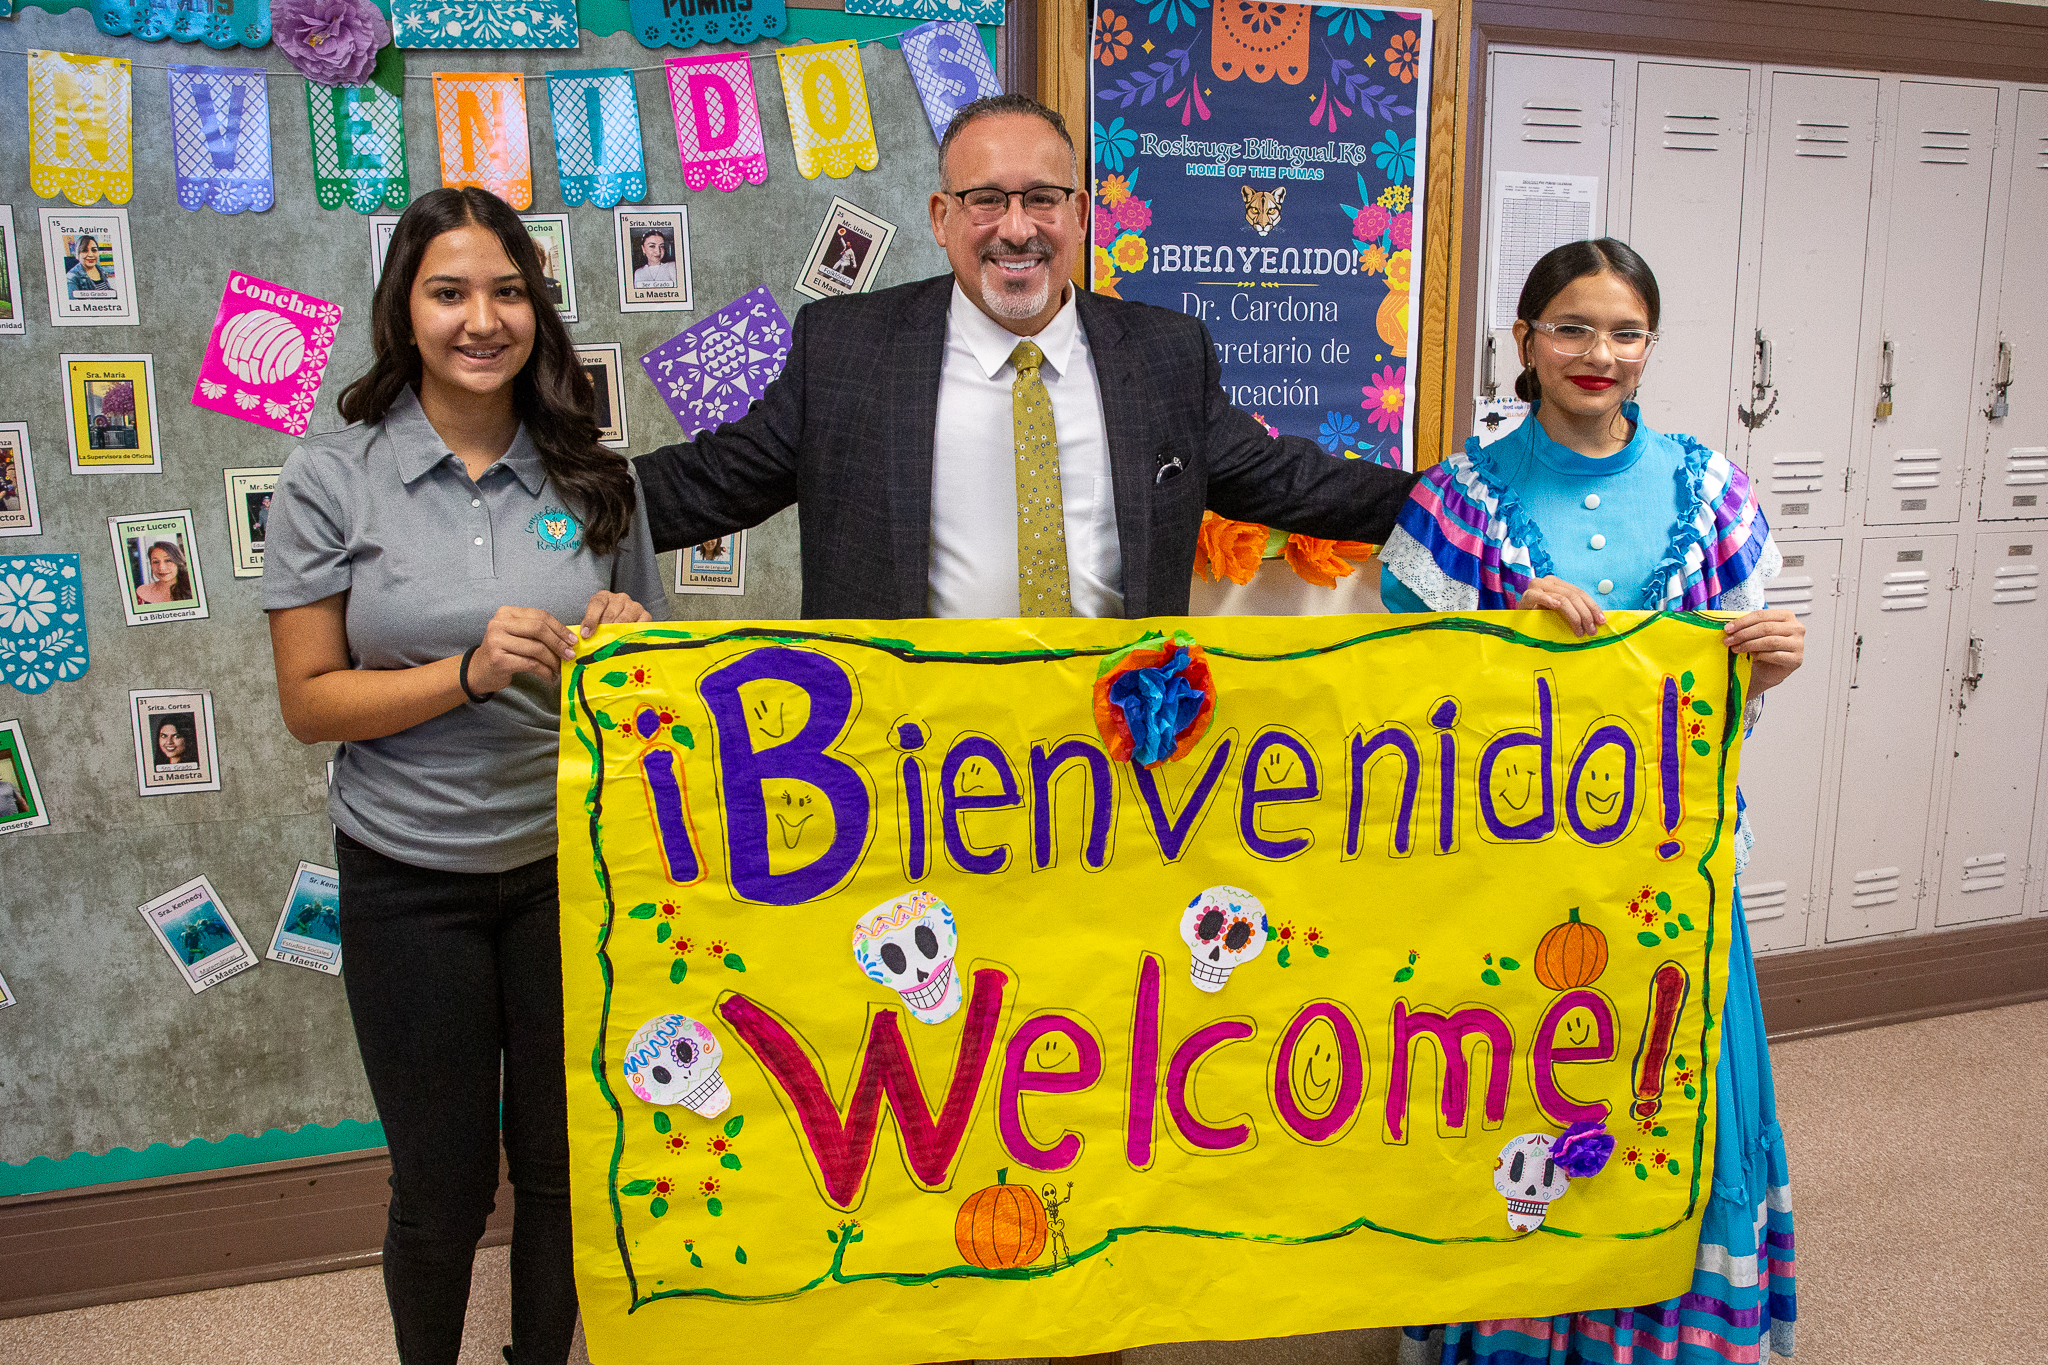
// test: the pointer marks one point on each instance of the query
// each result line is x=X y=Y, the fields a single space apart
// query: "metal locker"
x=1685 y=217
x=1802 y=410
x=1894 y=717
x=1781 y=765
x=1940 y=205
x=2002 y=697
x=1544 y=115
x=2015 y=480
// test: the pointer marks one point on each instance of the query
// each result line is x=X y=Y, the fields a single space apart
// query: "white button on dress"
x=1598 y=542
x=1592 y=501
x=480 y=540
x=1605 y=586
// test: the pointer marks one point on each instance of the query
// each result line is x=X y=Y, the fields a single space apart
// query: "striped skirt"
x=1744 y=1295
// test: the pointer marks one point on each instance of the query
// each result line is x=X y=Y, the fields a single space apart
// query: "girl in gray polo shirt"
x=418 y=570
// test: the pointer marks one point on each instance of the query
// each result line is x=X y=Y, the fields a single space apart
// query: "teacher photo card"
x=88 y=268
x=18 y=513
x=110 y=413
x=174 y=745
x=156 y=555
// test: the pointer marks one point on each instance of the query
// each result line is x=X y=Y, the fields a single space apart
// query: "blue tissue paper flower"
x=1157 y=704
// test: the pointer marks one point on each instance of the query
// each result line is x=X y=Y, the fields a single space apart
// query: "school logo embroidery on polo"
x=554 y=529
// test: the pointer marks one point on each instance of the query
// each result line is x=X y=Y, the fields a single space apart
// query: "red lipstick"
x=1592 y=383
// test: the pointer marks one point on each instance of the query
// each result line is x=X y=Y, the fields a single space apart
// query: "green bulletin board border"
x=42 y=1174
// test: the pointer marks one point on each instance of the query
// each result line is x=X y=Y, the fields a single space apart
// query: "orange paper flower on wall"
x=1229 y=549
x=1323 y=562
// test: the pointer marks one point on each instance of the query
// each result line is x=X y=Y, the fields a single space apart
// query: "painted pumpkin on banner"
x=1571 y=955
x=1260 y=39
x=1001 y=1227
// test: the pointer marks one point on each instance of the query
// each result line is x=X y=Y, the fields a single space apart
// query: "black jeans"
x=455 y=979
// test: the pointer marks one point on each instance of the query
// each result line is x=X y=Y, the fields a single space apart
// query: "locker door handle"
x=1856 y=662
x=1759 y=412
x=1488 y=386
x=1999 y=407
x=1884 y=383
x=1973 y=664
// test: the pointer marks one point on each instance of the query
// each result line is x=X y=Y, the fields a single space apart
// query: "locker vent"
x=1763 y=900
x=1794 y=592
x=1916 y=469
x=1560 y=123
x=1801 y=471
x=2015 y=583
x=1692 y=132
x=1985 y=872
x=1874 y=886
x=2025 y=465
x=1944 y=146
x=1905 y=590
x=2042 y=152
x=1821 y=139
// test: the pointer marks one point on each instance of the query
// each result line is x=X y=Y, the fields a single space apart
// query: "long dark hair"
x=551 y=393
x=1574 y=261
x=181 y=586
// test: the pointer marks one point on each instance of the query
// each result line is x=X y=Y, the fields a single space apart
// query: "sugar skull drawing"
x=1225 y=927
x=908 y=944
x=673 y=1059
x=1529 y=1180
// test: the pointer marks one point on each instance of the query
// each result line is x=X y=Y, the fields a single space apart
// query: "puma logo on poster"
x=1262 y=208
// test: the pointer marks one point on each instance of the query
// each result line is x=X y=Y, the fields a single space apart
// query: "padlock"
x=1884 y=408
x=1998 y=408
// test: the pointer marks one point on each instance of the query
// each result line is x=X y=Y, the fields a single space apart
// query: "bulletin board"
x=110 y=1068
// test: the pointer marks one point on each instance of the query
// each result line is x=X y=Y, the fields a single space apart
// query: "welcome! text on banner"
x=911 y=1016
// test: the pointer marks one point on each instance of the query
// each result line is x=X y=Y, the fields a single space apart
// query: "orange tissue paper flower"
x=1229 y=549
x=1323 y=562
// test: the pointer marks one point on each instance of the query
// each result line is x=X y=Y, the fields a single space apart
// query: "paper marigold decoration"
x=1154 y=700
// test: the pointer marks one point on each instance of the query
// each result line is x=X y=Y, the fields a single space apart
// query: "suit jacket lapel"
x=1130 y=462
x=916 y=357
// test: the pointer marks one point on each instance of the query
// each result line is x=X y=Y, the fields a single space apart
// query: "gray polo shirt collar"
x=419 y=447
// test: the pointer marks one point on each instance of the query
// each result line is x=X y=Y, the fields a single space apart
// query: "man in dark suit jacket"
x=847 y=431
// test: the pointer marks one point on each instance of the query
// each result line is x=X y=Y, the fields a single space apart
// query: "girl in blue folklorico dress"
x=1580 y=509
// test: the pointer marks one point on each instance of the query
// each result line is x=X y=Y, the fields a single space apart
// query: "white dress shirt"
x=974 y=468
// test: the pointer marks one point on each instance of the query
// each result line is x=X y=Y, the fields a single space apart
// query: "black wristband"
x=463 y=677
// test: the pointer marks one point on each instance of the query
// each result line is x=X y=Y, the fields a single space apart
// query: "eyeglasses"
x=1574 y=339
x=988 y=204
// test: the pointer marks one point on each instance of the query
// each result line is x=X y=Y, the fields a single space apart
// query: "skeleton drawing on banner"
x=908 y=945
x=1056 y=1226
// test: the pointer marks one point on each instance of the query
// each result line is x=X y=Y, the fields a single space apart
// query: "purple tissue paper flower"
x=332 y=42
x=1583 y=1149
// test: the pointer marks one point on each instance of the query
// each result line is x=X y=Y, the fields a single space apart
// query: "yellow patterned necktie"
x=1041 y=520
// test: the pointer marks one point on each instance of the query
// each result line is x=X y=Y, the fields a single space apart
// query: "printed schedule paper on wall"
x=1531 y=215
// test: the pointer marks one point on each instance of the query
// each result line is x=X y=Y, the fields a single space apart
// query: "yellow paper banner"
x=964 y=1036
x=80 y=127
x=480 y=117
x=827 y=103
